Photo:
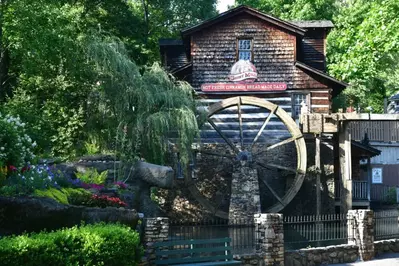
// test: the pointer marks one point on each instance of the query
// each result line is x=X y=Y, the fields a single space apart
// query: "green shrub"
x=16 y=147
x=390 y=196
x=91 y=176
x=9 y=191
x=63 y=195
x=99 y=244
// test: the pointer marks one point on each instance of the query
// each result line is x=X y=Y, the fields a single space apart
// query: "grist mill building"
x=252 y=75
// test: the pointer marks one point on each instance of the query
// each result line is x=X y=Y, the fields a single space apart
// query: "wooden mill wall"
x=213 y=53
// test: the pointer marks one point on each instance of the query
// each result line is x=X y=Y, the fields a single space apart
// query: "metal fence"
x=386 y=225
x=315 y=231
x=241 y=232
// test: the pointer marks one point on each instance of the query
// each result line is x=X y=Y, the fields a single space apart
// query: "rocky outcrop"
x=30 y=214
x=141 y=176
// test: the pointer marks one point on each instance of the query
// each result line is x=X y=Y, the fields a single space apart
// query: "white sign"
x=377 y=176
x=243 y=71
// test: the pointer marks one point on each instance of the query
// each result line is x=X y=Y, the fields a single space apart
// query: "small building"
x=244 y=52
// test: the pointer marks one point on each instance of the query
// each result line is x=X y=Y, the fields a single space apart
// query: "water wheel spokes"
x=256 y=131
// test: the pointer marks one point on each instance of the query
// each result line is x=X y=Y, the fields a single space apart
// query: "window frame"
x=238 y=46
x=293 y=105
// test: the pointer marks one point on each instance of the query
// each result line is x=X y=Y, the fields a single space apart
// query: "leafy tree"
x=146 y=107
x=294 y=9
x=363 y=50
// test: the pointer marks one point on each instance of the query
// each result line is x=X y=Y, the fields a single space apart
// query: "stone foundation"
x=251 y=259
x=322 y=255
x=269 y=234
x=244 y=199
x=386 y=246
x=361 y=232
x=156 y=230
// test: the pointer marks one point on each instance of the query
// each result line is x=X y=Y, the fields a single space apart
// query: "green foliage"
x=79 y=197
x=92 y=147
x=28 y=179
x=294 y=9
x=390 y=197
x=63 y=195
x=9 y=191
x=363 y=50
x=99 y=244
x=91 y=176
x=52 y=193
x=15 y=145
x=146 y=107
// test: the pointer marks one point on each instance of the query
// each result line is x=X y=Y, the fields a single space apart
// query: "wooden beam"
x=345 y=165
x=318 y=182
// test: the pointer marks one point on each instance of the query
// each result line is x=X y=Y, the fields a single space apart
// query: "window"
x=298 y=98
x=245 y=49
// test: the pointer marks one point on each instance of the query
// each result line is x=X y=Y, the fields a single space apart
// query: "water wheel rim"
x=298 y=139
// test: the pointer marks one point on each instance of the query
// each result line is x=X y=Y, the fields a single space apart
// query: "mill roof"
x=245 y=10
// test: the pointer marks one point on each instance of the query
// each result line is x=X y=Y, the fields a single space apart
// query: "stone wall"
x=156 y=230
x=251 y=259
x=361 y=232
x=322 y=255
x=386 y=246
x=269 y=234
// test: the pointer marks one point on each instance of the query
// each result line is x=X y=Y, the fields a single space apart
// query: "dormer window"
x=244 y=49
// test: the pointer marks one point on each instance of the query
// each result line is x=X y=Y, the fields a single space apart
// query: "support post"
x=369 y=177
x=318 y=172
x=345 y=165
x=269 y=237
x=319 y=225
x=155 y=230
x=361 y=232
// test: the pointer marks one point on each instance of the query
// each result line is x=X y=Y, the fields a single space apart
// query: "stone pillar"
x=269 y=238
x=155 y=230
x=245 y=197
x=361 y=232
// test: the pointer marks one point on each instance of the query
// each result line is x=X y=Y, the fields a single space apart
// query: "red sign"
x=219 y=87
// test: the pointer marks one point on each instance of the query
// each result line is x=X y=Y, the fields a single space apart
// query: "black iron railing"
x=241 y=232
x=313 y=231
x=386 y=225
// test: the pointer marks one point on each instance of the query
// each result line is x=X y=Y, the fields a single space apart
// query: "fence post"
x=361 y=232
x=155 y=230
x=269 y=238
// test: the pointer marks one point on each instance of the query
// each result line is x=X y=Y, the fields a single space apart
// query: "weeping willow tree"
x=149 y=110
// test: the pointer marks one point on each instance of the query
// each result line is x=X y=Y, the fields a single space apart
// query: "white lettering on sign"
x=219 y=87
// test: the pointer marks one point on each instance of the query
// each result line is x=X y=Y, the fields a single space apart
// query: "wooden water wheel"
x=258 y=132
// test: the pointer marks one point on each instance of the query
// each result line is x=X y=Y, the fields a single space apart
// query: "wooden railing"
x=376 y=130
x=359 y=190
x=378 y=192
x=383 y=193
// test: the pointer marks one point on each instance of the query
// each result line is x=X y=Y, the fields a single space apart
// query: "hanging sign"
x=243 y=75
x=243 y=71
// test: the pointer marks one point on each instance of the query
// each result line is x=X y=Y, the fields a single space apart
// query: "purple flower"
x=120 y=185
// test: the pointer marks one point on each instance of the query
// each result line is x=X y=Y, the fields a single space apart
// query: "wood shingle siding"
x=214 y=52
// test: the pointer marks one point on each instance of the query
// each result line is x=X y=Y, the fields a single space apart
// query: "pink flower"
x=12 y=168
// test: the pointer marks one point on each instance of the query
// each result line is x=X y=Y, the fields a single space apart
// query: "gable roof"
x=323 y=78
x=247 y=10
